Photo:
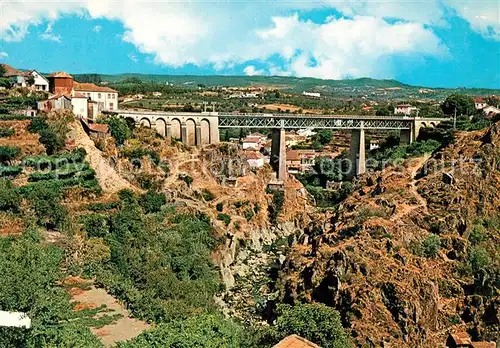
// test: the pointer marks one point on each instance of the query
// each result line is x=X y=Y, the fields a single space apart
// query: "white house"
x=307 y=132
x=491 y=111
x=480 y=103
x=405 y=109
x=255 y=159
x=40 y=82
x=311 y=94
x=14 y=319
x=251 y=143
x=107 y=98
x=16 y=77
x=80 y=104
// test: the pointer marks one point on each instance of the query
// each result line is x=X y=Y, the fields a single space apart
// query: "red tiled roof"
x=483 y=345
x=90 y=87
x=479 y=100
x=251 y=140
x=61 y=74
x=292 y=155
x=294 y=341
x=79 y=95
x=99 y=127
x=253 y=155
x=461 y=338
x=57 y=96
x=10 y=71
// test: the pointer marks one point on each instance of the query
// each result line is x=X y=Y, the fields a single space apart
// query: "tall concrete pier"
x=278 y=153
x=357 y=152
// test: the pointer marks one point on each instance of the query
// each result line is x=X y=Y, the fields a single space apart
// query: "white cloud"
x=483 y=16
x=133 y=57
x=3 y=55
x=49 y=35
x=96 y=28
x=346 y=47
x=252 y=71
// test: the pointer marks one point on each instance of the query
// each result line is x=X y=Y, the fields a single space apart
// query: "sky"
x=435 y=43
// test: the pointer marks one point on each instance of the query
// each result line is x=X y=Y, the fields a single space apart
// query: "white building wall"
x=108 y=101
x=41 y=84
x=79 y=107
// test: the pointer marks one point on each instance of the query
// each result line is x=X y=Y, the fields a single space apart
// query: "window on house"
x=98 y=95
x=111 y=106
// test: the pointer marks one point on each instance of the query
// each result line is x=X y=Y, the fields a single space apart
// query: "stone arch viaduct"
x=197 y=129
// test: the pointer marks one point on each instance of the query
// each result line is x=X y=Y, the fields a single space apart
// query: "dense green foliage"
x=162 y=270
x=207 y=331
x=463 y=104
x=30 y=270
x=316 y=322
x=52 y=135
x=9 y=198
x=276 y=206
x=8 y=153
x=10 y=171
x=6 y=132
x=119 y=128
x=431 y=245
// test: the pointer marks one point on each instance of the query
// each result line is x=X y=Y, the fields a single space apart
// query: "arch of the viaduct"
x=191 y=129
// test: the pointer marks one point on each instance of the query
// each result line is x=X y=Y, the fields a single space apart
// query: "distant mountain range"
x=357 y=87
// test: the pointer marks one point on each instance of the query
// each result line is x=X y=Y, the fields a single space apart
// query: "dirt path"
x=422 y=203
x=108 y=178
x=122 y=329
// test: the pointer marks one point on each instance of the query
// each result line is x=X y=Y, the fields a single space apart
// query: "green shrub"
x=316 y=322
x=10 y=200
x=103 y=206
x=10 y=171
x=118 y=128
x=431 y=245
x=276 y=206
x=8 y=153
x=45 y=200
x=219 y=207
x=6 y=132
x=186 y=178
x=479 y=259
x=152 y=202
x=249 y=214
x=224 y=217
x=207 y=195
x=477 y=235
x=96 y=225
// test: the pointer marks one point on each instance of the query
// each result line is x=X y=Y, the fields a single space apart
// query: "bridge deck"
x=291 y=121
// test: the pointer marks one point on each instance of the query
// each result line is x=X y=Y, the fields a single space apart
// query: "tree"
x=119 y=129
x=30 y=270
x=384 y=111
x=30 y=80
x=324 y=136
x=463 y=104
x=315 y=322
x=2 y=70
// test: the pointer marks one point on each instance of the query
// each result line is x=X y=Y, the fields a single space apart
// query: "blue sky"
x=442 y=43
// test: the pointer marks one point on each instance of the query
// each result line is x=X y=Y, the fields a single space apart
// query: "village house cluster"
x=86 y=100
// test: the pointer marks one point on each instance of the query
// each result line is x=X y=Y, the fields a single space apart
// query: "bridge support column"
x=357 y=152
x=184 y=137
x=278 y=153
x=198 y=135
x=168 y=130
x=406 y=136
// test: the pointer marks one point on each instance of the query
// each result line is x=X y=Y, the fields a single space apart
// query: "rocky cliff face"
x=414 y=253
